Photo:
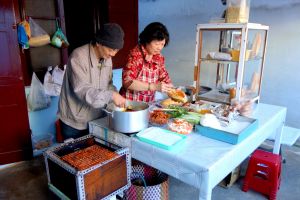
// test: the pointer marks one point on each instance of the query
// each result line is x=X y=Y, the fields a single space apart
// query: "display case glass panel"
x=230 y=57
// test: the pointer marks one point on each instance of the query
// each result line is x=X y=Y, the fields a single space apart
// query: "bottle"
x=232 y=93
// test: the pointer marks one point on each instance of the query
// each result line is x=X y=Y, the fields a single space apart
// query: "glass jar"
x=237 y=11
x=232 y=93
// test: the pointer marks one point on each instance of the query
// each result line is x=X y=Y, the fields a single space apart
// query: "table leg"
x=205 y=197
x=276 y=148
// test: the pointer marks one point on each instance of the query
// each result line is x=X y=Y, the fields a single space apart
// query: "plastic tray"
x=42 y=142
x=236 y=132
x=160 y=137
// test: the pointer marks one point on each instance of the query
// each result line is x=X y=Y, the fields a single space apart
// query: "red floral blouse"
x=137 y=68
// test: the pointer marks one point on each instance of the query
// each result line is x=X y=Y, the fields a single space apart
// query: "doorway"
x=84 y=18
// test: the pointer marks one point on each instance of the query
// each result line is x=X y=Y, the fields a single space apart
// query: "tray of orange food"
x=90 y=156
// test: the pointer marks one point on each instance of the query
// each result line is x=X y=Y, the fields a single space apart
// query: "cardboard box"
x=231 y=178
x=100 y=181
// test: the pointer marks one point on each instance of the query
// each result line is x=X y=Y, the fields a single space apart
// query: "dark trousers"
x=70 y=132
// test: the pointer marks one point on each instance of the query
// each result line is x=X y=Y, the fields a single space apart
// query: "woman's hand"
x=164 y=87
x=118 y=99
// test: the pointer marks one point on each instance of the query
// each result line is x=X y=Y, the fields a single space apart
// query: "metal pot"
x=129 y=121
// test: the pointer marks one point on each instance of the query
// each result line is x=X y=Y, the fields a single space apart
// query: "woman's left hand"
x=166 y=87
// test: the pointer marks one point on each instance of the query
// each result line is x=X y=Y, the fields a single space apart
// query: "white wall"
x=280 y=82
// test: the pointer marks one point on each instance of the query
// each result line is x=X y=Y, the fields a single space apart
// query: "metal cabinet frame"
x=244 y=29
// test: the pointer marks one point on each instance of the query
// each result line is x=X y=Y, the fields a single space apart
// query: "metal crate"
x=101 y=181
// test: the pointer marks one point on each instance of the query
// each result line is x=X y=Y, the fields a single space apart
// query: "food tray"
x=237 y=131
x=161 y=137
x=88 y=157
x=40 y=142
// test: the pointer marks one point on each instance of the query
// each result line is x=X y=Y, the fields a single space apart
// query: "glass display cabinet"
x=229 y=61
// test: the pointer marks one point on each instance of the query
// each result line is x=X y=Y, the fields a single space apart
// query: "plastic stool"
x=263 y=173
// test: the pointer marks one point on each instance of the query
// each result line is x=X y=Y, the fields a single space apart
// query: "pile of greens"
x=182 y=113
x=192 y=117
x=176 y=111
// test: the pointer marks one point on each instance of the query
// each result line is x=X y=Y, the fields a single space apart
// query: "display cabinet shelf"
x=227 y=61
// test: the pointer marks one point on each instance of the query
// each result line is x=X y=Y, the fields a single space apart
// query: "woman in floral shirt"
x=145 y=71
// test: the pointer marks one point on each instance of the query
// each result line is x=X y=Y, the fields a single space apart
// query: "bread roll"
x=165 y=103
x=178 y=95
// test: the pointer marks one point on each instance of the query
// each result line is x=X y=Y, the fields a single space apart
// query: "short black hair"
x=154 y=31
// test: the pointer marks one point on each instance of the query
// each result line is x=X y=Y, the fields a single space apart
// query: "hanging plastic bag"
x=49 y=86
x=37 y=98
x=26 y=26
x=53 y=82
x=39 y=36
x=58 y=75
x=59 y=39
x=22 y=37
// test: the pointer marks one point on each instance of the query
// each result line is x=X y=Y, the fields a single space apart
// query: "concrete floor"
x=27 y=180
x=289 y=188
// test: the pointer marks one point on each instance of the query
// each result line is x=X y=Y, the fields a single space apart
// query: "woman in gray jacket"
x=87 y=85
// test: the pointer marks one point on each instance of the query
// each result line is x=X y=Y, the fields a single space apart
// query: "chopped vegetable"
x=191 y=117
x=177 y=111
x=180 y=126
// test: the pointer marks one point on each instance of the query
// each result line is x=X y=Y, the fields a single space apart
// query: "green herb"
x=177 y=112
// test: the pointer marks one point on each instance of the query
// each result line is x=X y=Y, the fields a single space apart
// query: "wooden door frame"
x=13 y=84
x=25 y=57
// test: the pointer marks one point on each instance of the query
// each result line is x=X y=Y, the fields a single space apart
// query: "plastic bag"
x=59 y=39
x=53 y=82
x=22 y=37
x=26 y=26
x=219 y=56
x=39 y=36
x=58 y=75
x=37 y=98
x=147 y=183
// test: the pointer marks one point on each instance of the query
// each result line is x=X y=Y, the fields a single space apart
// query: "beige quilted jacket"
x=87 y=87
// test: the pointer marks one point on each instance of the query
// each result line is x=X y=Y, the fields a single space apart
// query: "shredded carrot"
x=159 y=117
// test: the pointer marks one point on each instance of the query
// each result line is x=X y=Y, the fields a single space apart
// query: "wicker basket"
x=147 y=183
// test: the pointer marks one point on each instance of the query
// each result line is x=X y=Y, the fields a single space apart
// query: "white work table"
x=200 y=161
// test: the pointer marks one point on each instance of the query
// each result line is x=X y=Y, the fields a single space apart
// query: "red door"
x=15 y=140
x=125 y=13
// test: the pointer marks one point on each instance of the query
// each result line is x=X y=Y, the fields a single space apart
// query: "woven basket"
x=147 y=183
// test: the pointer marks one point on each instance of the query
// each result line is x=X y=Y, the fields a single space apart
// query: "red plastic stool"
x=263 y=173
